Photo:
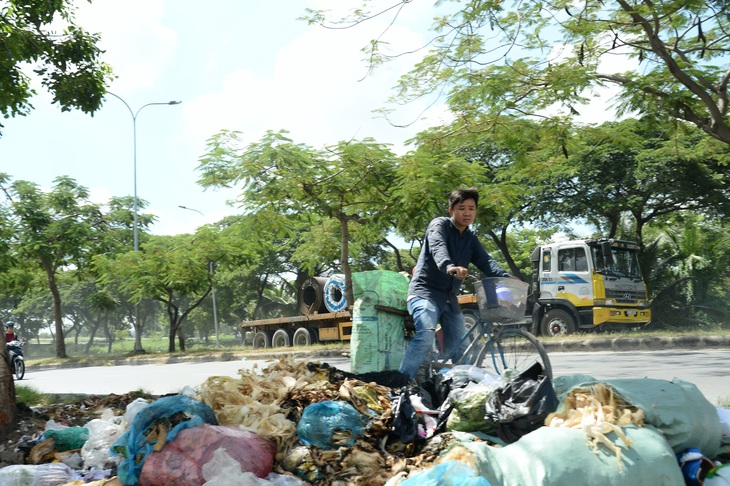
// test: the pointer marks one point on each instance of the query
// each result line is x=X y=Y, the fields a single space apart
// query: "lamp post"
x=211 y=269
x=134 y=137
x=138 y=337
x=191 y=209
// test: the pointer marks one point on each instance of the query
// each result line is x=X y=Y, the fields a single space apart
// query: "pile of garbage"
x=296 y=423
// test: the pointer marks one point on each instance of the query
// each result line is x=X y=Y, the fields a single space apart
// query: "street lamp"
x=137 y=342
x=211 y=269
x=191 y=209
x=134 y=132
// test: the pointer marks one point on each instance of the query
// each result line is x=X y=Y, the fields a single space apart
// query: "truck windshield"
x=625 y=262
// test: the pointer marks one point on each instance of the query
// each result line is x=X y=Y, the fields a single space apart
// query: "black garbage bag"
x=405 y=418
x=521 y=405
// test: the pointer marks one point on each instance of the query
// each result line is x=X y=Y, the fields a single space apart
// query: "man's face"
x=464 y=213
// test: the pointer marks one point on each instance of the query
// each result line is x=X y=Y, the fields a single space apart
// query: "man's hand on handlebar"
x=459 y=272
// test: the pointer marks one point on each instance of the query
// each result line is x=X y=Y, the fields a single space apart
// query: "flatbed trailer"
x=301 y=330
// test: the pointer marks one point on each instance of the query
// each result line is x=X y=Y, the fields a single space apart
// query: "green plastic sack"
x=560 y=455
x=391 y=288
x=677 y=408
x=69 y=438
x=377 y=342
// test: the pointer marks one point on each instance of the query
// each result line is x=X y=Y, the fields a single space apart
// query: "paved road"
x=707 y=369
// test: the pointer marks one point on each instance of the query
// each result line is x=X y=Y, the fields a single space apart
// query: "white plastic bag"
x=102 y=434
x=133 y=409
x=50 y=474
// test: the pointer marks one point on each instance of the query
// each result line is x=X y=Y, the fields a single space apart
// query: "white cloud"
x=138 y=44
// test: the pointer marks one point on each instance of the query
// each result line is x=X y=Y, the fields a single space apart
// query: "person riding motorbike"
x=9 y=332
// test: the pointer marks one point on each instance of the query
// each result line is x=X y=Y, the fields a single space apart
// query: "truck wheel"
x=302 y=337
x=262 y=339
x=557 y=322
x=281 y=339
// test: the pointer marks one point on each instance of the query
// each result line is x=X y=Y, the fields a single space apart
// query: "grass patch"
x=635 y=333
x=723 y=402
x=32 y=397
x=224 y=352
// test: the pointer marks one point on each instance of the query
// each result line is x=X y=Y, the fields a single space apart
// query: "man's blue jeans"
x=426 y=314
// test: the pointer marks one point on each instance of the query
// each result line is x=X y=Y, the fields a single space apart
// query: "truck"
x=301 y=330
x=324 y=316
x=580 y=285
x=576 y=285
x=587 y=284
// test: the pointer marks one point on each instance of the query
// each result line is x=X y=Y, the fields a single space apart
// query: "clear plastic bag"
x=36 y=475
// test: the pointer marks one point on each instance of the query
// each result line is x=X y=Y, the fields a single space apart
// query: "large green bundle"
x=677 y=408
x=377 y=342
x=557 y=455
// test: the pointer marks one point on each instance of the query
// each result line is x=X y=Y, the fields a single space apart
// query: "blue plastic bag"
x=450 y=473
x=319 y=420
x=134 y=446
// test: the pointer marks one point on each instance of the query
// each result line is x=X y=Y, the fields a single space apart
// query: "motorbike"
x=15 y=349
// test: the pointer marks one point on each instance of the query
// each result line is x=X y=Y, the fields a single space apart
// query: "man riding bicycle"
x=449 y=247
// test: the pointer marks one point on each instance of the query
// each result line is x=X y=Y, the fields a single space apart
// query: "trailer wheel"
x=303 y=337
x=471 y=317
x=281 y=339
x=262 y=339
x=557 y=322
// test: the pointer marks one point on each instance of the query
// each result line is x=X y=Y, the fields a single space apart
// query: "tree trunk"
x=180 y=337
x=501 y=242
x=171 y=342
x=345 y=261
x=172 y=315
x=57 y=315
x=8 y=410
x=138 y=328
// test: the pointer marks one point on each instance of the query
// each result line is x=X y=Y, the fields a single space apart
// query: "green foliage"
x=500 y=60
x=64 y=56
x=690 y=277
x=330 y=190
x=54 y=230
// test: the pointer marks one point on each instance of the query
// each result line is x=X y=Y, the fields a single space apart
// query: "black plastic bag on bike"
x=521 y=405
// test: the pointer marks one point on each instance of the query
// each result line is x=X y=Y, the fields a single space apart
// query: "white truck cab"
x=587 y=284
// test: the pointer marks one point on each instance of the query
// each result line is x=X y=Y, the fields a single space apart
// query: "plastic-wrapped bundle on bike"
x=502 y=300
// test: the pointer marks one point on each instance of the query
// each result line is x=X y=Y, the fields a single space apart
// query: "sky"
x=245 y=65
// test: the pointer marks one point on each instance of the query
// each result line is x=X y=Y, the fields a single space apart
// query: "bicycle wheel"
x=514 y=349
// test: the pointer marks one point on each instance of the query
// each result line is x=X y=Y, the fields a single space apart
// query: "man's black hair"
x=461 y=195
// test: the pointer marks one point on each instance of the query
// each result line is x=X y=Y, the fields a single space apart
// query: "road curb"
x=653 y=343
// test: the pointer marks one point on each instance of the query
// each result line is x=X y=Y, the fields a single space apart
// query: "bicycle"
x=493 y=338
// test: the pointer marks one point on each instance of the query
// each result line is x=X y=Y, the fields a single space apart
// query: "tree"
x=639 y=169
x=348 y=184
x=54 y=230
x=67 y=63
x=503 y=164
x=690 y=271
x=497 y=59
x=173 y=270
x=8 y=411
